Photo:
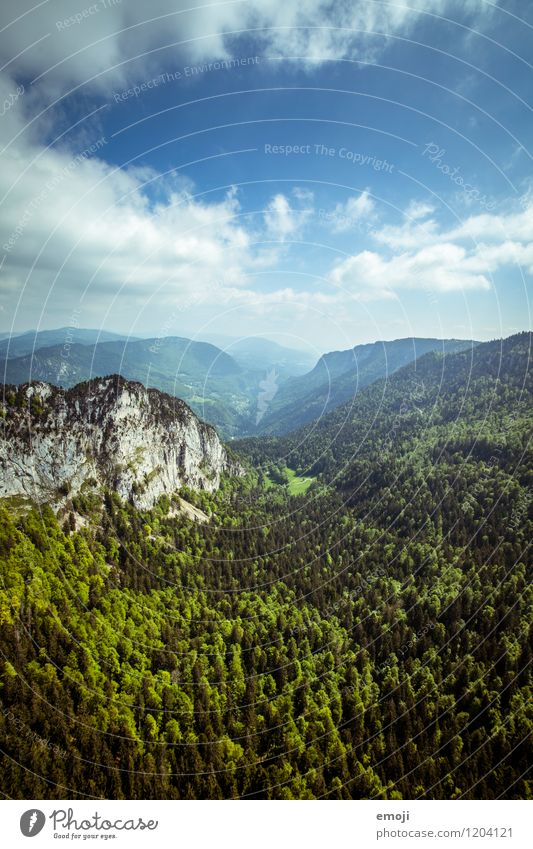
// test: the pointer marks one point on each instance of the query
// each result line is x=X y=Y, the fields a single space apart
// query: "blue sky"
x=330 y=174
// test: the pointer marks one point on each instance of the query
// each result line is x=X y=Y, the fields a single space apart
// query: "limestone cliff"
x=108 y=432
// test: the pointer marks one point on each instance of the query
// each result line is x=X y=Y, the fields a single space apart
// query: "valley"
x=253 y=385
x=341 y=611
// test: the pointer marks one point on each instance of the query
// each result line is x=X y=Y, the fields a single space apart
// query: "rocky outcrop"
x=108 y=432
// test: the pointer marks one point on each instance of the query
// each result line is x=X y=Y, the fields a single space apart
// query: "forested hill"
x=458 y=402
x=339 y=375
x=369 y=637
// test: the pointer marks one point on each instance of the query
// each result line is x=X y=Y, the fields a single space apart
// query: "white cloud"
x=279 y=218
x=427 y=257
x=282 y=221
x=419 y=209
x=439 y=268
x=120 y=40
x=412 y=233
x=492 y=227
x=352 y=213
x=70 y=222
x=515 y=225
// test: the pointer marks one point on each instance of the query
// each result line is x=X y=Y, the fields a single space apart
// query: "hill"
x=339 y=375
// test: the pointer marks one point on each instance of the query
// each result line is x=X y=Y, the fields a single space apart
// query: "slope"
x=339 y=375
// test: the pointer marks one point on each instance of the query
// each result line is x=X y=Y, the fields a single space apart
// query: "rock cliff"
x=108 y=432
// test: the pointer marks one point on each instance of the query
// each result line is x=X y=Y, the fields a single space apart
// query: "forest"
x=363 y=635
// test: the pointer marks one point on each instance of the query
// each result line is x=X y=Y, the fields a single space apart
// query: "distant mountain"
x=264 y=355
x=106 y=433
x=339 y=375
x=25 y=343
x=252 y=387
x=219 y=390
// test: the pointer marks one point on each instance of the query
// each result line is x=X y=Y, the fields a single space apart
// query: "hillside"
x=339 y=375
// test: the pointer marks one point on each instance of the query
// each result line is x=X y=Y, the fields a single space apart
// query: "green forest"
x=353 y=621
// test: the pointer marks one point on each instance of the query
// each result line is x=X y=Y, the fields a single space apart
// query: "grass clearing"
x=297 y=484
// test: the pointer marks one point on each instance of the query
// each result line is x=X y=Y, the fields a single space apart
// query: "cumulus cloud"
x=417 y=230
x=75 y=231
x=283 y=221
x=439 y=259
x=418 y=209
x=279 y=219
x=68 y=222
x=441 y=268
x=350 y=214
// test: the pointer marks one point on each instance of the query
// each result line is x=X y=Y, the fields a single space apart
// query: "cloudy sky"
x=322 y=173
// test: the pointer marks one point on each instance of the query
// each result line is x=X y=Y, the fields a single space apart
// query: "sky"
x=323 y=174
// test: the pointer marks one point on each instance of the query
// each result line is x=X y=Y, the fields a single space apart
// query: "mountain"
x=255 y=352
x=108 y=433
x=64 y=337
x=251 y=387
x=440 y=409
x=339 y=375
x=210 y=381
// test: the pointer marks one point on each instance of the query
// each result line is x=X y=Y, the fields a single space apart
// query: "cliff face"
x=107 y=432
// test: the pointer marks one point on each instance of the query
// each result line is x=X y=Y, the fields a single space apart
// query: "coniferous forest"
x=351 y=619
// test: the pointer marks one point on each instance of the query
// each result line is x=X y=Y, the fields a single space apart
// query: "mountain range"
x=340 y=375
x=253 y=386
x=447 y=403
x=20 y=345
